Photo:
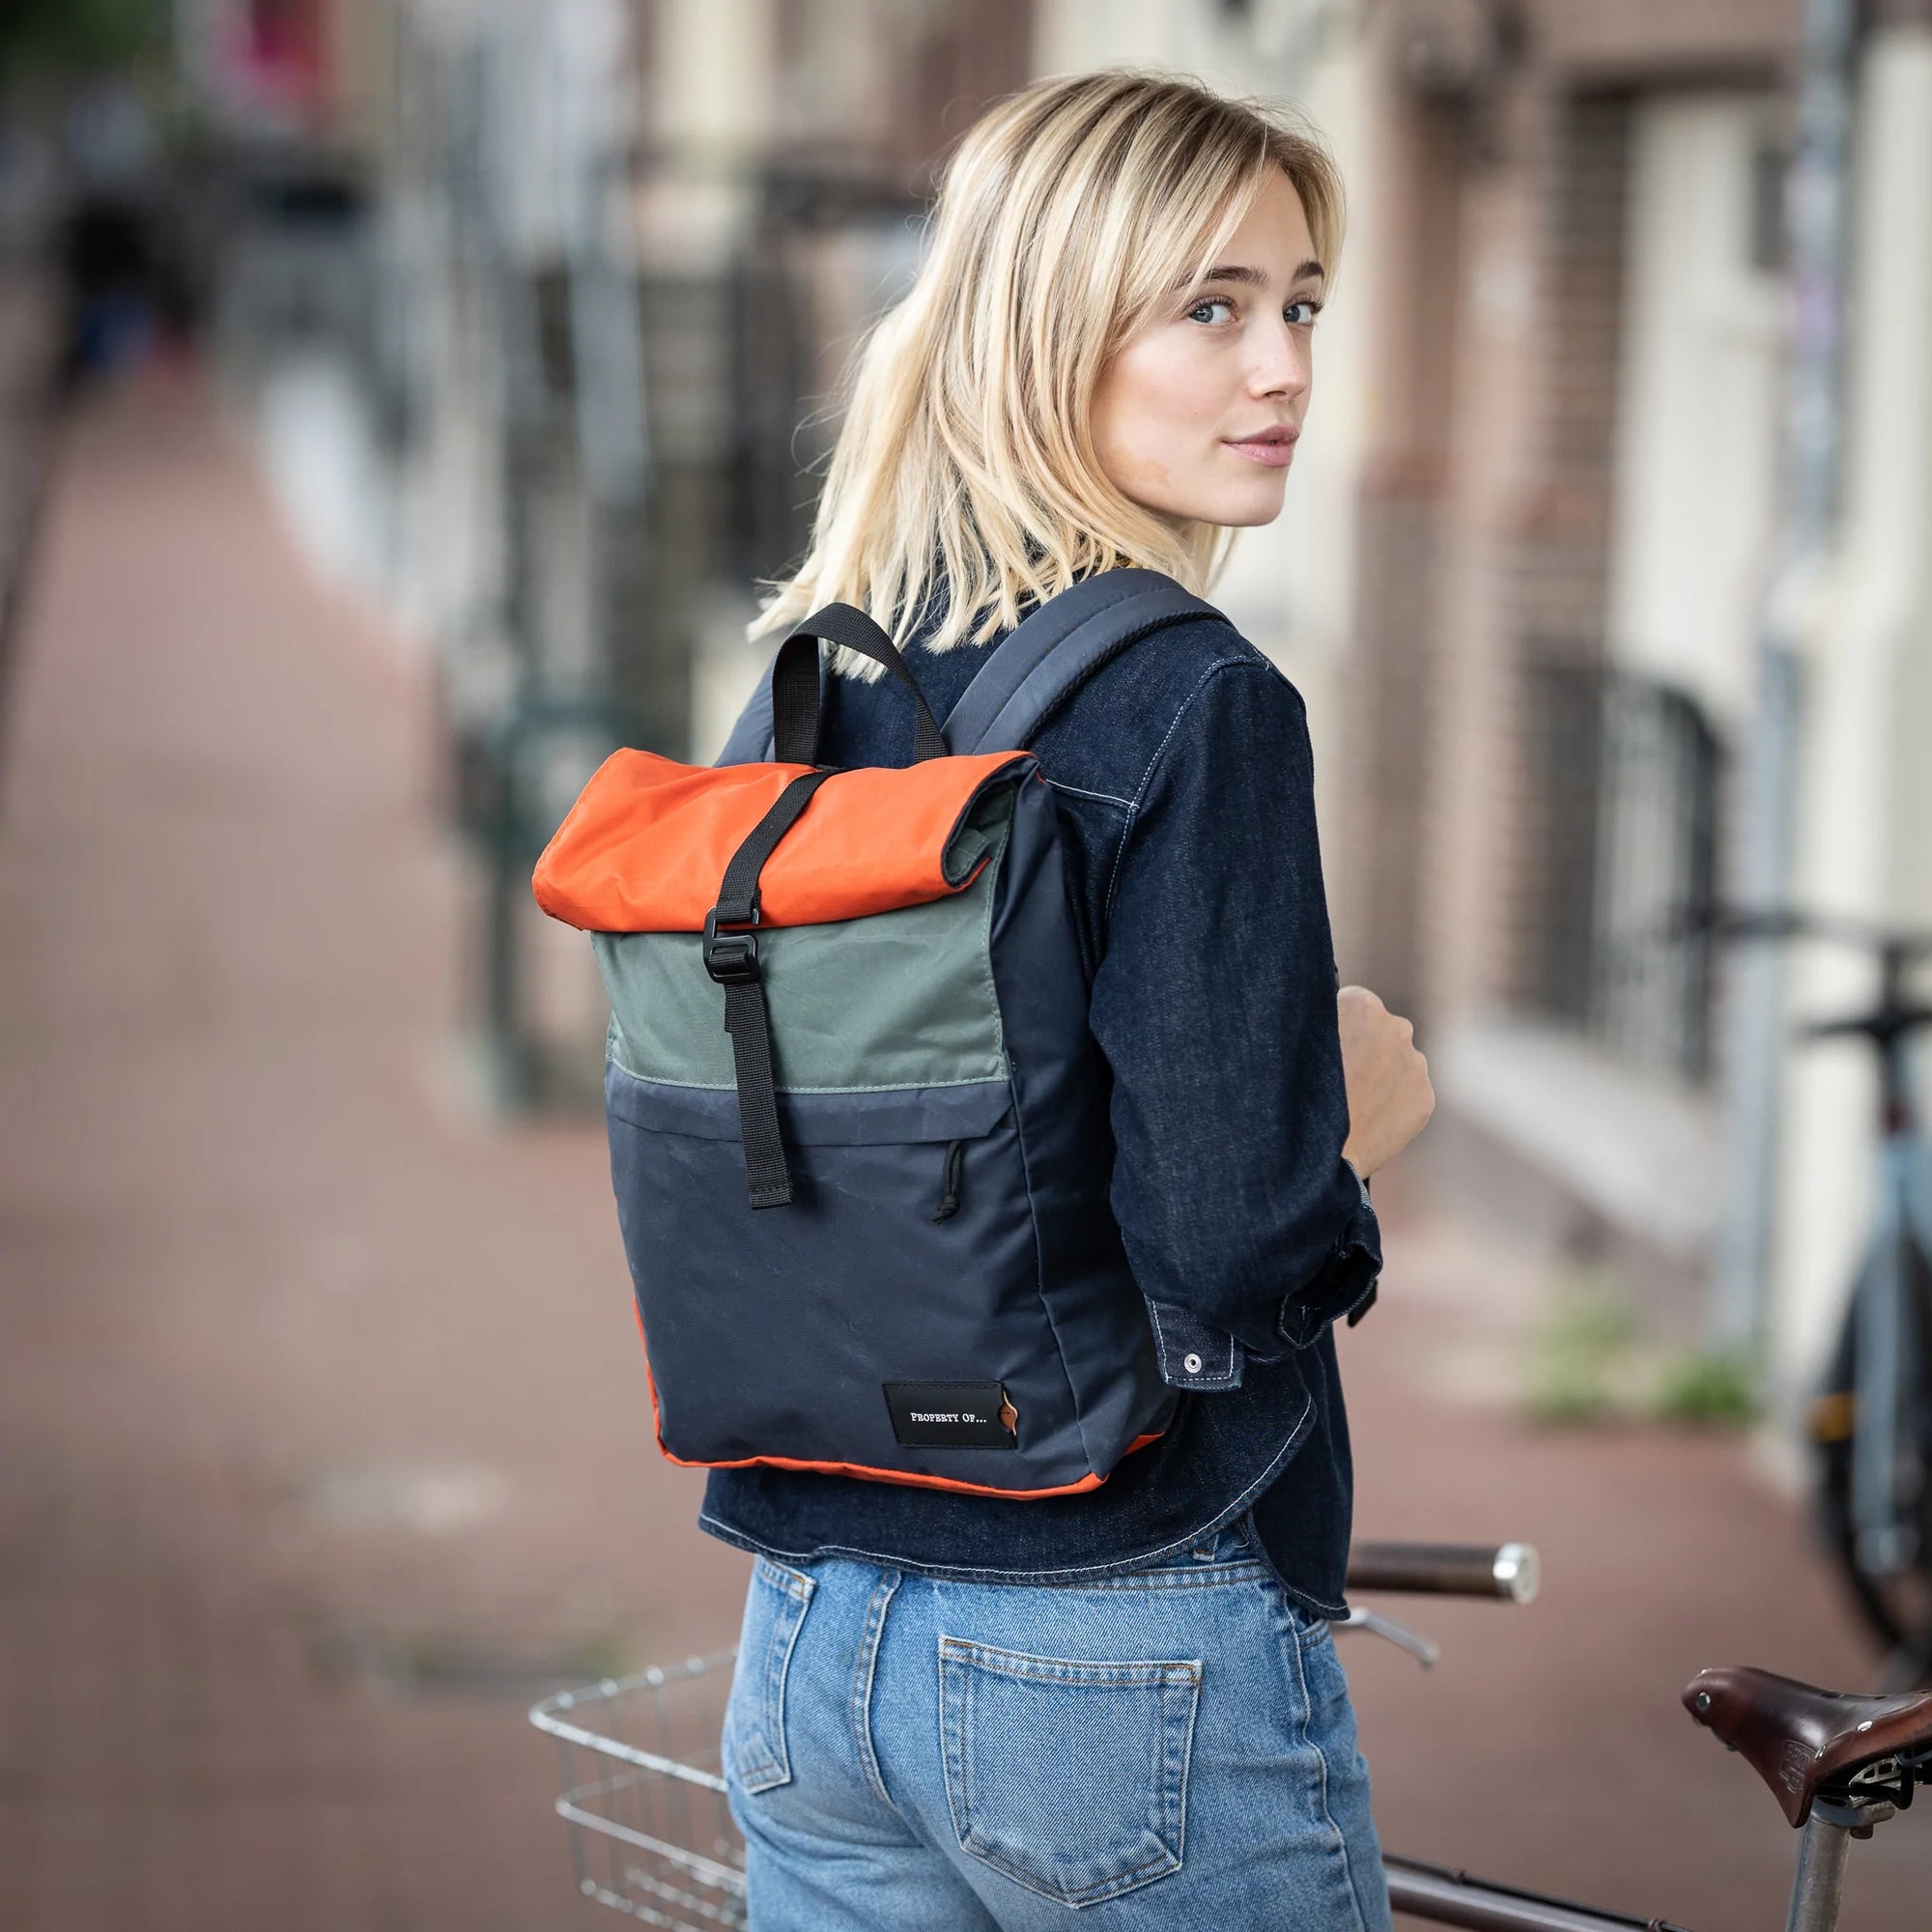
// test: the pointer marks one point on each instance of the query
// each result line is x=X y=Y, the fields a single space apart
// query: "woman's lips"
x=1274 y=454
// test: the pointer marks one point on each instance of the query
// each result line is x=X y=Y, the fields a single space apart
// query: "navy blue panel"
x=1063 y=643
x=813 y=1120
x=771 y=1333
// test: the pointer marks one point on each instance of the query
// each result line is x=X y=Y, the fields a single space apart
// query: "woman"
x=955 y=1711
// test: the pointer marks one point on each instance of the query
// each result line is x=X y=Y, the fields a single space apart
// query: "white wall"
x=714 y=87
x=1698 y=405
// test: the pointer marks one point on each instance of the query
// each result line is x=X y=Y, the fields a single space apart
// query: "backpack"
x=858 y=1123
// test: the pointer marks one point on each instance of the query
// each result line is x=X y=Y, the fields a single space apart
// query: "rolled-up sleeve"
x=1215 y=1005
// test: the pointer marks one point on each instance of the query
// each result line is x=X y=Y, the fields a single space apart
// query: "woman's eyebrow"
x=1236 y=271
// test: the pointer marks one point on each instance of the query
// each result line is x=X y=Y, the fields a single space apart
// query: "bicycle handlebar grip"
x=1510 y=1571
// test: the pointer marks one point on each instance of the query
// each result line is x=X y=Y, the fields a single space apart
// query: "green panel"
x=901 y=999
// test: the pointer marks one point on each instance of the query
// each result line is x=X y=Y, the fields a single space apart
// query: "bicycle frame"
x=1889 y=1387
x=1455 y=1898
x=1871 y=1427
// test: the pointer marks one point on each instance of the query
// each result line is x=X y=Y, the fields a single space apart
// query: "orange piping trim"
x=1085 y=1482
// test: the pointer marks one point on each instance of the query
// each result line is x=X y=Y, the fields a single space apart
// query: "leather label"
x=952 y=1415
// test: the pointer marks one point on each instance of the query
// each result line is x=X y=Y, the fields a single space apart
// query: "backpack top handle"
x=796 y=690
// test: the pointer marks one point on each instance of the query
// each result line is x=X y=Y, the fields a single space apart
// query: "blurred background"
x=399 y=401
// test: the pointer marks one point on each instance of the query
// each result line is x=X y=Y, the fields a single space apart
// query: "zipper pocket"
x=949 y=1193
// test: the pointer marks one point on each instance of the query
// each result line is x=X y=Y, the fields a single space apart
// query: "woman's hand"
x=1389 y=1096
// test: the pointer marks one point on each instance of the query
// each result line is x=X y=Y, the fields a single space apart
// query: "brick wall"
x=1374 y=888
x=1486 y=491
x=1559 y=567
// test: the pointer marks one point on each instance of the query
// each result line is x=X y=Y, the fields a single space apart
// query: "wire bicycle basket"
x=643 y=1794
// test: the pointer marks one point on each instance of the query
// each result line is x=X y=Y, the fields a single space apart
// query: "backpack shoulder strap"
x=1035 y=668
x=1059 y=646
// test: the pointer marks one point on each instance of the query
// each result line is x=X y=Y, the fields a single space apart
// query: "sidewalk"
x=324 y=1443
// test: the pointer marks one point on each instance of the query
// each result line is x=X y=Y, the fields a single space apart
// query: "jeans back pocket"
x=1069 y=1776
x=756 y=1755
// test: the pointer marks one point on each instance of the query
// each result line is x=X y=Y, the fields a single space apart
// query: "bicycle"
x=1870 y=1423
x=653 y=1837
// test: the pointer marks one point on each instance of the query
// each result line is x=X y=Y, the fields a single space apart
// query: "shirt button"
x=1191 y=1362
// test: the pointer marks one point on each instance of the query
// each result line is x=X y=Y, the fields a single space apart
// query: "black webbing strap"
x=795 y=684
x=732 y=958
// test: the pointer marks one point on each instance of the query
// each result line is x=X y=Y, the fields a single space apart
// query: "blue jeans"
x=1168 y=1747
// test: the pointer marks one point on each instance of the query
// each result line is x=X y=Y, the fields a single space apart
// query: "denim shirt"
x=1185 y=783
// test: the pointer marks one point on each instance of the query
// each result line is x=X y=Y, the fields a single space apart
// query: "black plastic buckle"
x=730 y=957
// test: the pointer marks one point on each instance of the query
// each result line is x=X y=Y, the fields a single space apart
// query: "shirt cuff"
x=1193 y=1353
x=1345 y=1284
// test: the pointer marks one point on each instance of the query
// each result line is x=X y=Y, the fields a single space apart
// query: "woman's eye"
x=1301 y=313
x=1212 y=302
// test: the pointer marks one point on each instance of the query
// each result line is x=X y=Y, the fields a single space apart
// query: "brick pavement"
x=304 y=1372
x=321 y=1431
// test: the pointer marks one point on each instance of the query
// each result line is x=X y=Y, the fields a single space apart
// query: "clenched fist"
x=1389 y=1096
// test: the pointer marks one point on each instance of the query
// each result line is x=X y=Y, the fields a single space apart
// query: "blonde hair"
x=1066 y=217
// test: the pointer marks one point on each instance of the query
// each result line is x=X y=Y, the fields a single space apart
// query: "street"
x=325 y=1444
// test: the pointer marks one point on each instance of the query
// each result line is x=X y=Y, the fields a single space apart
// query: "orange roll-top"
x=646 y=847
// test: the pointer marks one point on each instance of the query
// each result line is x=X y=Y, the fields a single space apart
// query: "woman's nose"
x=1283 y=367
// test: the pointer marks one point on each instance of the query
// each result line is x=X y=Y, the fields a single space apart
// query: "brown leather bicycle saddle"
x=1800 y=1739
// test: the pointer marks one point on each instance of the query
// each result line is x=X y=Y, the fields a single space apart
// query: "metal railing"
x=1627 y=782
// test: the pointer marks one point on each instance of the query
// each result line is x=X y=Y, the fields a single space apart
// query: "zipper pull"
x=948 y=1200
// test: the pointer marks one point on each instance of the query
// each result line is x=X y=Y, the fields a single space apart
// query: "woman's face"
x=1197 y=417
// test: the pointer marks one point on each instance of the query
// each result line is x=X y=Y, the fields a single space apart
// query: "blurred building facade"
x=599 y=263
x=1567 y=530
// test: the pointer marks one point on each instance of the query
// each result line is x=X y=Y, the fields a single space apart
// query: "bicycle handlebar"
x=1711 y=921
x=1893 y=1015
x=1510 y=1571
